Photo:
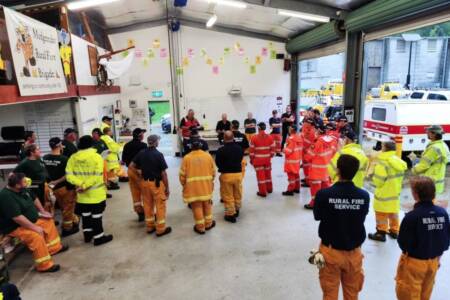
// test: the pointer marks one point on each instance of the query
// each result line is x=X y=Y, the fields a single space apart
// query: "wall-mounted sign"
x=157 y=94
x=350 y=114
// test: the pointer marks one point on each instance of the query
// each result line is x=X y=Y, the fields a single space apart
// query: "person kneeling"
x=25 y=219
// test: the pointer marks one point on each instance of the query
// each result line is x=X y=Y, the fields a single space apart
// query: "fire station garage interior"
x=201 y=149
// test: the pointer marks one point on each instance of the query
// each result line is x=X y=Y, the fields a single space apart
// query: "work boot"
x=103 y=240
x=53 y=269
x=231 y=219
x=189 y=206
x=151 y=231
x=237 y=213
x=297 y=191
x=112 y=186
x=141 y=217
x=213 y=224
x=393 y=235
x=378 y=236
x=198 y=231
x=166 y=231
x=287 y=193
x=63 y=249
x=108 y=196
x=308 y=206
x=279 y=155
x=87 y=237
x=261 y=195
x=75 y=229
x=270 y=192
x=305 y=184
x=221 y=200
x=123 y=179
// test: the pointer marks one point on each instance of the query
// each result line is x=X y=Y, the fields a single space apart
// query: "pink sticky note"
x=264 y=51
x=190 y=53
x=241 y=52
x=138 y=53
x=163 y=53
x=215 y=70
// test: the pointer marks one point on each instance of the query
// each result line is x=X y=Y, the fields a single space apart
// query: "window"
x=387 y=89
x=401 y=46
x=439 y=97
x=311 y=66
x=379 y=114
x=432 y=45
x=417 y=95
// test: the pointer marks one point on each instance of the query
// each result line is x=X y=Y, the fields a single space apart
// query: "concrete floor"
x=263 y=256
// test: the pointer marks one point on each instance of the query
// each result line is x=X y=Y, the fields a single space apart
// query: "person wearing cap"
x=333 y=133
x=387 y=178
x=102 y=149
x=196 y=176
x=287 y=119
x=154 y=185
x=293 y=152
x=112 y=159
x=85 y=171
x=106 y=123
x=320 y=155
x=55 y=164
x=30 y=138
x=250 y=127
x=424 y=237
x=342 y=210
x=342 y=124
x=351 y=148
x=318 y=121
x=70 y=138
x=187 y=125
x=229 y=161
x=33 y=167
x=23 y=217
x=433 y=162
x=262 y=149
x=275 y=126
x=194 y=134
x=130 y=150
x=222 y=126
x=309 y=138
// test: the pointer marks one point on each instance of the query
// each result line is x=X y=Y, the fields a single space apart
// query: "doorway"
x=161 y=124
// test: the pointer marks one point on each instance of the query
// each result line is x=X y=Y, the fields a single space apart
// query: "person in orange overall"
x=293 y=156
x=24 y=218
x=262 y=149
x=320 y=155
x=332 y=132
x=309 y=136
x=197 y=174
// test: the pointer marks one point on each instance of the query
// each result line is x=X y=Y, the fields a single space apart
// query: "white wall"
x=201 y=89
x=90 y=111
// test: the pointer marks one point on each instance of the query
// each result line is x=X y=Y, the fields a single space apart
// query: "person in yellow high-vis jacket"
x=351 y=148
x=106 y=123
x=433 y=162
x=85 y=171
x=197 y=174
x=112 y=159
x=387 y=178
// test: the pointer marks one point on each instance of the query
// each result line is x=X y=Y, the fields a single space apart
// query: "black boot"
x=231 y=219
x=103 y=240
x=53 y=269
x=113 y=186
x=308 y=206
x=378 y=236
x=108 y=196
x=261 y=195
x=198 y=231
x=297 y=191
x=393 y=235
x=166 y=231
x=141 y=217
x=287 y=193
x=75 y=229
x=213 y=224
x=237 y=213
x=123 y=179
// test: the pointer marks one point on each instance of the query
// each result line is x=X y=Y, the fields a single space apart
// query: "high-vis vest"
x=433 y=164
x=387 y=178
x=320 y=155
x=103 y=126
x=85 y=169
x=356 y=151
x=293 y=151
x=262 y=149
x=112 y=160
x=197 y=176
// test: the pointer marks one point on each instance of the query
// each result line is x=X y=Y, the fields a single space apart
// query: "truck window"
x=439 y=97
x=387 y=89
x=417 y=95
x=379 y=114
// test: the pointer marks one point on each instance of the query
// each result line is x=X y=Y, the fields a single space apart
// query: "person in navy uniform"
x=423 y=238
x=342 y=210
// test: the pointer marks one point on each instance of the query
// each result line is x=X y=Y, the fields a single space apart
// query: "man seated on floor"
x=24 y=218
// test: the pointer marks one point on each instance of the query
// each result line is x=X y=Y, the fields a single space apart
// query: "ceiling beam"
x=299 y=5
x=138 y=26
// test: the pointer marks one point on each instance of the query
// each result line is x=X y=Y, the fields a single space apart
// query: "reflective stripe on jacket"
x=112 y=160
x=320 y=155
x=387 y=178
x=197 y=176
x=433 y=164
x=262 y=149
x=85 y=170
x=356 y=151
x=293 y=154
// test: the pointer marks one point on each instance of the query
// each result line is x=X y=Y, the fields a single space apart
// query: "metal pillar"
x=353 y=100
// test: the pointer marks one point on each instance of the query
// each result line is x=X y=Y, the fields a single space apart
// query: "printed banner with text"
x=35 y=53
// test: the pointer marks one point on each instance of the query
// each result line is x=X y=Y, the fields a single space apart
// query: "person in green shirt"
x=24 y=218
x=70 y=138
x=55 y=164
x=30 y=138
x=33 y=167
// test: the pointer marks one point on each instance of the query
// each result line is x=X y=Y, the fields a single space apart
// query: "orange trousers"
x=66 y=200
x=231 y=192
x=315 y=186
x=264 y=178
x=202 y=211
x=154 y=199
x=277 y=139
x=387 y=222
x=341 y=267
x=41 y=246
x=293 y=182
x=134 y=183
x=415 y=278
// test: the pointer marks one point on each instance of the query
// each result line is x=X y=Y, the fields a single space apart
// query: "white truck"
x=385 y=120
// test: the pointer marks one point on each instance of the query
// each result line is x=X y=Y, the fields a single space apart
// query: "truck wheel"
x=405 y=158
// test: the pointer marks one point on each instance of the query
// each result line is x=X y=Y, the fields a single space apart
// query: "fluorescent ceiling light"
x=304 y=16
x=87 y=3
x=211 y=21
x=231 y=3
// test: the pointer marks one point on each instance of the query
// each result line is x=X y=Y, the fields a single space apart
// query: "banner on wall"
x=35 y=53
